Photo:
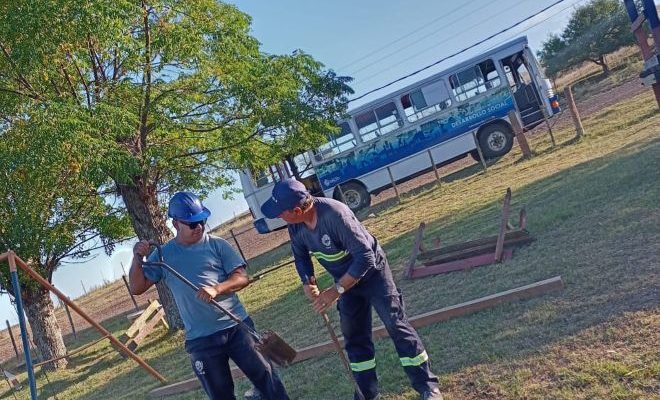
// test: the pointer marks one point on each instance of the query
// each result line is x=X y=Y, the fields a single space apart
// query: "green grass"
x=594 y=207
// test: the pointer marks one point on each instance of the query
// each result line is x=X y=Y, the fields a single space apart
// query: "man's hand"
x=311 y=291
x=141 y=249
x=207 y=293
x=326 y=299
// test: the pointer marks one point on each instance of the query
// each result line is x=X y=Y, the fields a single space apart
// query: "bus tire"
x=356 y=196
x=495 y=141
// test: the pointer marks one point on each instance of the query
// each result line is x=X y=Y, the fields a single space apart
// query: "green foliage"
x=594 y=30
x=49 y=207
x=171 y=93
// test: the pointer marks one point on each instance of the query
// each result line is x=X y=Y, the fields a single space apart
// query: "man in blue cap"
x=214 y=266
x=328 y=230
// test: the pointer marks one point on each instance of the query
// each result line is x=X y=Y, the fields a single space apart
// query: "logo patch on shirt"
x=325 y=239
x=199 y=366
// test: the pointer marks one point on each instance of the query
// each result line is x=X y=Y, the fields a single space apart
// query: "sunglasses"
x=193 y=225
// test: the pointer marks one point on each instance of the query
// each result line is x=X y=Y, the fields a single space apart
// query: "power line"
x=435 y=45
x=398 y=50
x=351 y=63
x=454 y=54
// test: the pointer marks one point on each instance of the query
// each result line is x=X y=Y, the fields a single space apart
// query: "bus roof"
x=519 y=41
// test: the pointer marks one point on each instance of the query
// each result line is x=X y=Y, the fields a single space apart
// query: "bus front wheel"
x=356 y=196
x=495 y=141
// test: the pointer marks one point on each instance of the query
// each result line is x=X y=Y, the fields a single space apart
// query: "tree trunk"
x=149 y=223
x=46 y=332
x=294 y=168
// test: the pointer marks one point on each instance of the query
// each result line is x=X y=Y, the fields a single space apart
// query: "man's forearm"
x=137 y=281
x=235 y=282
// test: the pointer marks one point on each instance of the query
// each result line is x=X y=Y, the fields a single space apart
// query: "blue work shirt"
x=339 y=242
x=205 y=263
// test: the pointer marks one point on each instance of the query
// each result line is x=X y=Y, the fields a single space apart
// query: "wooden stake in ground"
x=579 y=130
x=520 y=135
x=13 y=341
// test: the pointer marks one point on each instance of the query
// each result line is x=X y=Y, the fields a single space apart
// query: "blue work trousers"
x=210 y=356
x=378 y=289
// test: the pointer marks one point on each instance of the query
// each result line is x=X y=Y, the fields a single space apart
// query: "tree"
x=49 y=213
x=169 y=94
x=594 y=30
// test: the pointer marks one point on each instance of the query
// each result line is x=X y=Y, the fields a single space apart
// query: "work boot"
x=432 y=395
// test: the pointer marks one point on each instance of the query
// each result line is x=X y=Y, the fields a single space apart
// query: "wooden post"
x=499 y=246
x=231 y=230
x=73 y=327
x=396 y=190
x=13 y=341
x=417 y=245
x=435 y=168
x=83 y=286
x=482 y=160
x=579 y=129
x=520 y=135
x=341 y=193
x=123 y=277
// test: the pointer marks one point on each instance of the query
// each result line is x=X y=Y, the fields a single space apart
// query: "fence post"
x=482 y=160
x=520 y=135
x=83 y=286
x=546 y=118
x=396 y=190
x=579 y=129
x=73 y=327
x=435 y=169
x=341 y=193
x=231 y=230
x=13 y=341
x=123 y=277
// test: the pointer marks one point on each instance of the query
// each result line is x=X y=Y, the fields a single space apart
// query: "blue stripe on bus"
x=380 y=153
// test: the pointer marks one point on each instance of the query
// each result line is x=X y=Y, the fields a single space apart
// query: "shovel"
x=269 y=343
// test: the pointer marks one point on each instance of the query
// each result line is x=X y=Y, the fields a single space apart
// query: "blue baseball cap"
x=287 y=194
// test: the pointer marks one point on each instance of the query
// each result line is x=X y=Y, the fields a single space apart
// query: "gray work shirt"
x=339 y=242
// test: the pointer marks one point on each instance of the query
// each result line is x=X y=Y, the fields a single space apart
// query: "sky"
x=374 y=41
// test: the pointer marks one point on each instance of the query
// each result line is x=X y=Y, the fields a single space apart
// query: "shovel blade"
x=275 y=349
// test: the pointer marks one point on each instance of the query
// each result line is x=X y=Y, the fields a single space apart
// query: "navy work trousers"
x=378 y=289
x=210 y=356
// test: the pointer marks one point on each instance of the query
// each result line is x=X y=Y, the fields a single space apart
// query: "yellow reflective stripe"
x=330 y=257
x=415 y=361
x=364 y=365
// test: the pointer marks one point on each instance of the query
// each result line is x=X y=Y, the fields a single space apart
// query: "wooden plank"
x=434 y=253
x=505 y=218
x=476 y=251
x=443 y=314
x=415 y=250
x=458 y=265
x=146 y=330
x=142 y=319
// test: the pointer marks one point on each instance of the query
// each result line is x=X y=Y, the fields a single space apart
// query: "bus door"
x=300 y=167
x=525 y=92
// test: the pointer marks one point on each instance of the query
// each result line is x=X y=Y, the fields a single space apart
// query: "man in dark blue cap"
x=212 y=338
x=328 y=230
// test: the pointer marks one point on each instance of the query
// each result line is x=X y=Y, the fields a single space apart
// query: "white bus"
x=437 y=120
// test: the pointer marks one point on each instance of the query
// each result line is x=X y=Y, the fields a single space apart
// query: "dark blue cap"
x=287 y=195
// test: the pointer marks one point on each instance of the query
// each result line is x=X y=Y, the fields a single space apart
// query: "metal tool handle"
x=185 y=280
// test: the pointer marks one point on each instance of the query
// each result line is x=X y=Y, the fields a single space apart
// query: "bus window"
x=474 y=80
x=426 y=101
x=378 y=122
x=339 y=142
